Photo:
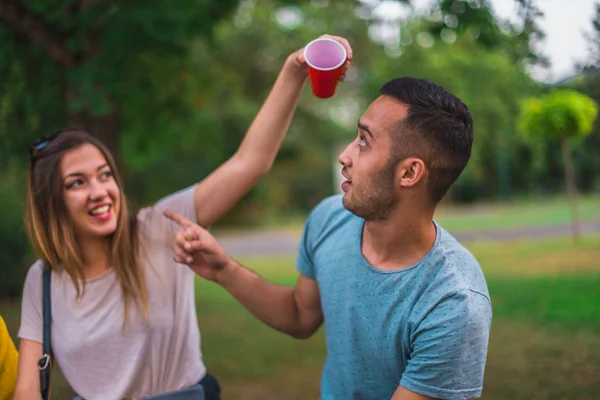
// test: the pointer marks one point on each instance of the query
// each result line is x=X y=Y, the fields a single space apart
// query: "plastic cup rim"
x=330 y=68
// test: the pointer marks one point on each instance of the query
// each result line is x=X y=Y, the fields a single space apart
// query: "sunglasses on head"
x=41 y=143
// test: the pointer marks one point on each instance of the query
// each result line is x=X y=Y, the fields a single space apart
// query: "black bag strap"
x=45 y=363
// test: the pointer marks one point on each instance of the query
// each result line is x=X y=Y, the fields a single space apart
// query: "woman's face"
x=90 y=192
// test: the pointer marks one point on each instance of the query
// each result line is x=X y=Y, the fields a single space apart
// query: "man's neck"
x=399 y=241
x=96 y=256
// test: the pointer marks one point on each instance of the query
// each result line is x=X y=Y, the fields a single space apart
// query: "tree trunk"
x=21 y=20
x=571 y=188
x=502 y=166
x=105 y=128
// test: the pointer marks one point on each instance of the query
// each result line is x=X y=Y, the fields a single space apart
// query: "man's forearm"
x=273 y=304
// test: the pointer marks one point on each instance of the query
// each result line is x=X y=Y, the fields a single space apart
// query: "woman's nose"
x=97 y=190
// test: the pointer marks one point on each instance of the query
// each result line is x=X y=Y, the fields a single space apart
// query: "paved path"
x=272 y=243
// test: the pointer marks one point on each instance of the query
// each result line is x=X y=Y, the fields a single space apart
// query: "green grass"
x=544 y=341
x=465 y=218
x=566 y=301
x=516 y=215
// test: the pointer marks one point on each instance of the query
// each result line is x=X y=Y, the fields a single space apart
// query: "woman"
x=123 y=312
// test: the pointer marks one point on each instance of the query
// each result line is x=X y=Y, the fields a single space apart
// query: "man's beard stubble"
x=375 y=199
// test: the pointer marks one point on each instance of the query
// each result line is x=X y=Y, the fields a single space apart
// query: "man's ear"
x=410 y=171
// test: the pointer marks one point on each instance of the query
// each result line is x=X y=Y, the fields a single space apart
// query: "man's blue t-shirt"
x=425 y=327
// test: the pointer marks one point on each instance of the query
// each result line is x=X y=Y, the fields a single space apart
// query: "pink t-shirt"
x=97 y=358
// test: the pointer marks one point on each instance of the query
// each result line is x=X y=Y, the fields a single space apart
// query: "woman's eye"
x=362 y=142
x=106 y=174
x=74 y=184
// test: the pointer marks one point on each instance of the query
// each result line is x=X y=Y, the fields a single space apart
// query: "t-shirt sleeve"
x=304 y=260
x=154 y=225
x=316 y=223
x=31 y=305
x=449 y=348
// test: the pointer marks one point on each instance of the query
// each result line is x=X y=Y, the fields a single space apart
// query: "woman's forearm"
x=223 y=188
x=263 y=139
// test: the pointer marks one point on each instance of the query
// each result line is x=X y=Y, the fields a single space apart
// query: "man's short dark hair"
x=437 y=129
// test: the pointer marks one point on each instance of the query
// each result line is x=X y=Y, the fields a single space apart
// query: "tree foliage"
x=558 y=115
x=172 y=88
x=561 y=114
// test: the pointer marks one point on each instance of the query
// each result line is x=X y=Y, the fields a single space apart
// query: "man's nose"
x=344 y=158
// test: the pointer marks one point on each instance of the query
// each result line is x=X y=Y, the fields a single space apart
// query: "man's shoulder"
x=461 y=265
x=454 y=250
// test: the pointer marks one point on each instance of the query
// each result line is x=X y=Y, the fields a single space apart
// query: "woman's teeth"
x=100 y=210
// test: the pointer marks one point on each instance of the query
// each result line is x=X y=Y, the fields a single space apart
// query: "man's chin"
x=347 y=203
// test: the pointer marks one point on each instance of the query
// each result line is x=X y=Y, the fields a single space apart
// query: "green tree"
x=588 y=82
x=235 y=75
x=560 y=115
x=92 y=57
x=490 y=85
x=88 y=63
x=476 y=19
x=463 y=46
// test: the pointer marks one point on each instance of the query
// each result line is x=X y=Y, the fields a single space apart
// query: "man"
x=406 y=307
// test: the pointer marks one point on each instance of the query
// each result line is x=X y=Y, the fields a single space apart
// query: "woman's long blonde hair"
x=52 y=235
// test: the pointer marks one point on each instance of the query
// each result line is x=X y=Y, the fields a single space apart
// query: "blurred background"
x=171 y=88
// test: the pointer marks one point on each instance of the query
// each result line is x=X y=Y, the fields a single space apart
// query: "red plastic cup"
x=325 y=59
